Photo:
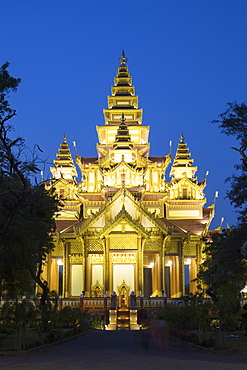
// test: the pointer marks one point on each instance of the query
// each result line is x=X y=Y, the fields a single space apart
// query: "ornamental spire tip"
x=123 y=60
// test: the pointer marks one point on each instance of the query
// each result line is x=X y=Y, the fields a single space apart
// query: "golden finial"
x=123 y=60
x=122 y=119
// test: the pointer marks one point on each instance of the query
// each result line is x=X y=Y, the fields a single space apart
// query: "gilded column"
x=86 y=180
x=157 y=272
x=106 y=267
x=151 y=179
x=140 y=266
x=142 y=256
x=66 y=269
x=83 y=265
x=193 y=284
x=162 y=267
x=87 y=269
x=95 y=180
x=181 y=269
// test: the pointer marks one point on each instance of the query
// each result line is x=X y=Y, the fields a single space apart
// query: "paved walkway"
x=123 y=350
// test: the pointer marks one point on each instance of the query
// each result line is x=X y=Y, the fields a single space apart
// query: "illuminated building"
x=123 y=227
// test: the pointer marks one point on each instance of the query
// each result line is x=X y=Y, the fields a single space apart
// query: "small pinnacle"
x=123 y=60
x=181 y=138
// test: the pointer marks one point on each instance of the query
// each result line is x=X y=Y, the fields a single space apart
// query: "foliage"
x=16 y=317
x=26 y=208
x=68 y=317
x=193 y=314
x=16 y=285
x=233 y=122
x=29 y=240
x=191 y=321
x=16 y=166
x=7 y=84
x=95 y=320
x=45 y=322
x=179 y=317
x=224 y=274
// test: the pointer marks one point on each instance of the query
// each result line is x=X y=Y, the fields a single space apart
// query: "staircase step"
x=123 y=318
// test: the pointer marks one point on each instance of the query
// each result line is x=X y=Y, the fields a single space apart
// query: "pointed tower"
x=183 y=163
x=186 y=196
x=123 y=103
x=123 y=99
x=64 y=164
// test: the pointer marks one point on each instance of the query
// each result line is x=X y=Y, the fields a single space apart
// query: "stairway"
x=123 y=318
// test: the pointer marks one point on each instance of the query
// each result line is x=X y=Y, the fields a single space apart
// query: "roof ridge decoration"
x=124 y=192
x=93 y=218
x=73 y=226
x=104 y=207
x=124 y=215
x=149 y=215
x=132 y=167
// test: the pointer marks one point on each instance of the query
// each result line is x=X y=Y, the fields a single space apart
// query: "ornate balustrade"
x=91 y=304
x=158 y=302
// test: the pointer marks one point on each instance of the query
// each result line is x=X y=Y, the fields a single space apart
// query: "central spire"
x=123 y=98
x=123 y=129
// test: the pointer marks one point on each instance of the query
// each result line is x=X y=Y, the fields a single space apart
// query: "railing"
x=157 y=302
x=97 y=303
x=94 y=303
x=73 y=303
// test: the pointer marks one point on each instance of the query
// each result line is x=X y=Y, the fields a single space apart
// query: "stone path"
x=123 y=350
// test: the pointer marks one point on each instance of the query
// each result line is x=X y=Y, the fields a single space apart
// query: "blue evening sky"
x=187 y=59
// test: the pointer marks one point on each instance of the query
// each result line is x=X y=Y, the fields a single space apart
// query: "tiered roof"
x=64 y=164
